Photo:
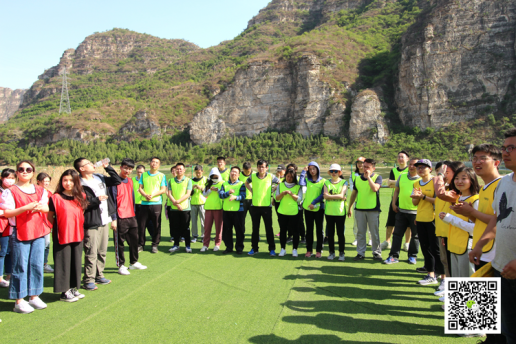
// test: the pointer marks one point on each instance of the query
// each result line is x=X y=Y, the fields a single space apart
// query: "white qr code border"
x=472 y=305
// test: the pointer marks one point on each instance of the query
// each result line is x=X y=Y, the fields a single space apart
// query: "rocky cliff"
x=367 y=118
x=269 y=95
x=458 y=62
x=10 y=101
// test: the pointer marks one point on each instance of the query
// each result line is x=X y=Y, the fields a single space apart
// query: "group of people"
x=439 y=209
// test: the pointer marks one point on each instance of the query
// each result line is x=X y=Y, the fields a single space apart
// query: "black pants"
x=403 y=221
x=232 y=219
x=127 y=230
x=247 y=205
x=288 y=224
x=430 y=247
x=149 y=225
x=179 y=222
x=256 y=214
x=331 y=223
x=301 y=224
x=152 y=213
x=448 y=254
x=67 y=265
x=318 y=217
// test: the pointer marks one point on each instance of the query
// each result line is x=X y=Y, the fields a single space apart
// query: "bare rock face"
x=457 y=63
x=267 y=96
x=334 y=120
x=142 y=125
x=10 y=101
x=367 y=121
x=65 y=61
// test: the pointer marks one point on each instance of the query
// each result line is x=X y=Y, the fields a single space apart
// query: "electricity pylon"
x=64 y=106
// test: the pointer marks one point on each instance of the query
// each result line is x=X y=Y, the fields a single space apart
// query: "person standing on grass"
x=26 y=205
x=43 y=180
x=261 y=206
x=405 y=215
x=153 y=184
x=486 y=159
x=213 y=210
x=233 y=194
x=124 y=220
x=96 y=220
x=66 y=213
x=335 y=210
x=178 y=207
x=197 y=202
x=366 y=192
x=280 y=174
x=460 y=234
x=423 y=197
x=359 y=170
x=245 y=173
x=501 y=229
x=300 y=228
x=8 y=179
x=403 y=159
x=314 y=207
x=223 y=171
x=140 y=169
x=290 y=195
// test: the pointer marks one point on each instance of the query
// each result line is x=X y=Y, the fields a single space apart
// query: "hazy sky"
x=34 y=34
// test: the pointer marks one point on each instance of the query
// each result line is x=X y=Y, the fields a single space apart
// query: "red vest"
x=125 y=199
x=29 y=225
x=70 y=220
x=4 y=225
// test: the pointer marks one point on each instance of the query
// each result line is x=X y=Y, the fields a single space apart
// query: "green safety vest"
x=406 y=186
x=366 y=198
x=274 y=193
x=213 y=201
x=313 y=190
x=137 y=195
x=243 y=179
x=178 y=190
x=152 y=183
x=335 y=207
x=398 y=173
x=288 y=206
x=232 y=205
x=262 y=189
x=197 y=197
x=225 y=175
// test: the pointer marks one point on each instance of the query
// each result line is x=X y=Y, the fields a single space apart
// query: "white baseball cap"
x=335 y=167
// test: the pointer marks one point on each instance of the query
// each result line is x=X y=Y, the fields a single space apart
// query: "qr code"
x=472 y=305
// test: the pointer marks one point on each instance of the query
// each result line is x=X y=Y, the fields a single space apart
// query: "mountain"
x=10 y=101
x=354 y=70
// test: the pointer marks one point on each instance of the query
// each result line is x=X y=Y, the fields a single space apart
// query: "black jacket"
x=92 y=217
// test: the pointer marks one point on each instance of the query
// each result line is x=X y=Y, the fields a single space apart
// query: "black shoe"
x=303 y=240
x=240 y=252
x=358 y=257
x=226 y=251
x=325 y=240
x=377 y=257
x=421 y=270
x=289 y=240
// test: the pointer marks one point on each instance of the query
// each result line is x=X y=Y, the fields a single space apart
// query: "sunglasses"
x=334 y=171
x=28 y=170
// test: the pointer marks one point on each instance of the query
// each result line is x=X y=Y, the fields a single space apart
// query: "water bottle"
x=102 y=162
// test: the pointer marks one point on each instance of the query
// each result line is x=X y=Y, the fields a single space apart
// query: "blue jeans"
x=5 y=256
x=47 y=247
x=27 y=275
x=508 y=302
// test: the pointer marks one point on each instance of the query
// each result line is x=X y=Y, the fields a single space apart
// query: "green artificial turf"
x=215 y=298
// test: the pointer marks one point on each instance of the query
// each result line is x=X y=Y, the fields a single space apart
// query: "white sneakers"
x=406 y=246
x=354 y=243
x=370 y=243
x=137 y=266
x=36 y=303
x=48 y=268
x=4 y=283
x=294 y=253
x=385 y=245
x=23 y=307
x=282 y=252
x=216 y=248
x=204 y=249
x=122 y=270
x=188 y=250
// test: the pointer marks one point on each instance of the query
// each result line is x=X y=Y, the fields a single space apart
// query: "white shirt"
x=7 y=200
x=99 y=189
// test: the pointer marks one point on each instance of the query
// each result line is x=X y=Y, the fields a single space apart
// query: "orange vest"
x=69 y=220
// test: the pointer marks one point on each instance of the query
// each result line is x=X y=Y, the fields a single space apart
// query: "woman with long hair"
x=289 y=195
x=8 y=178
x=43 y=180
x=26 y=205
x=66 y=212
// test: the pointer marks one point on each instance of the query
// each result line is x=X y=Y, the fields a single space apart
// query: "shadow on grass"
x=306 y=338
